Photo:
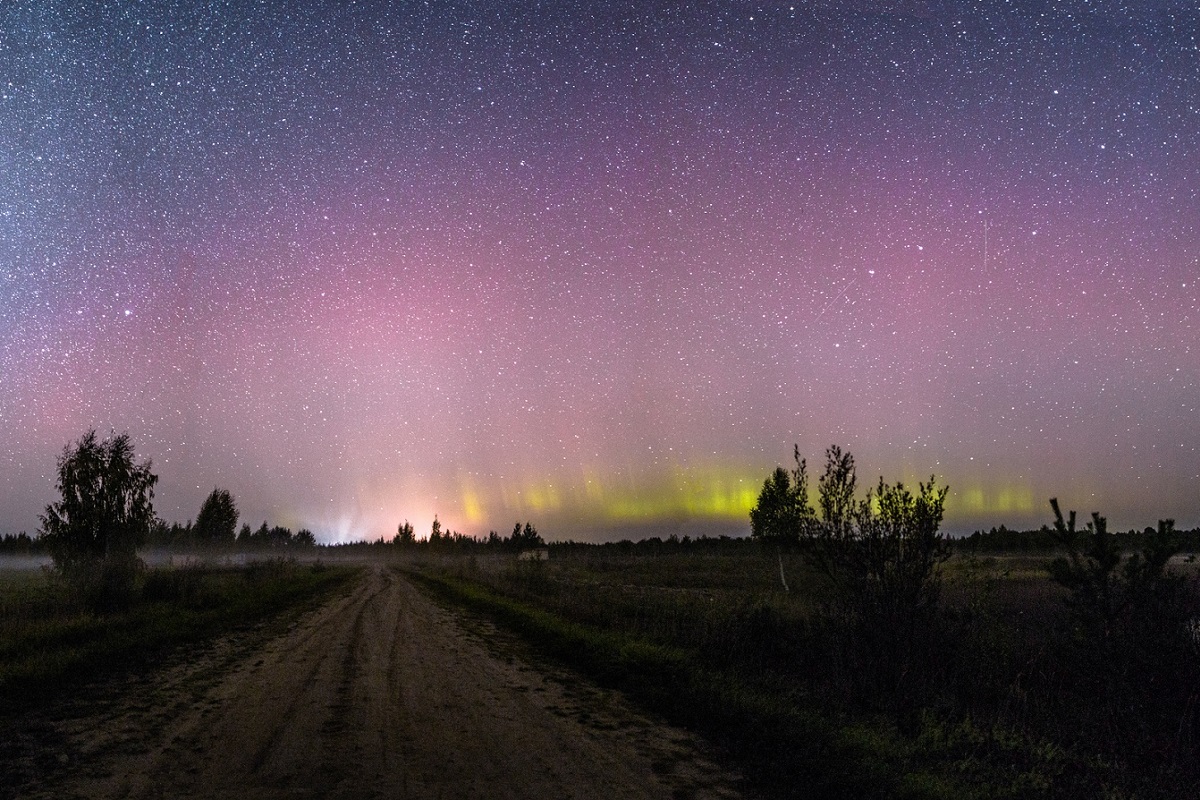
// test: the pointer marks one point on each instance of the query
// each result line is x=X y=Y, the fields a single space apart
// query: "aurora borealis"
x=600 y=266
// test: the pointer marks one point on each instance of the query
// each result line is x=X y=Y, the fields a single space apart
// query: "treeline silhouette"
x=176 y=536
x=264 y=537
x=22 y=544
x=1045 y=539
x=523 y=537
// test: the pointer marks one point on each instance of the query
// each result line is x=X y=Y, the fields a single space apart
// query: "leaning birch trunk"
x=782 y=579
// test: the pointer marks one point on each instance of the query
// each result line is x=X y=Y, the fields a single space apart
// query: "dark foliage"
x=216 y=524
x=881 y=555
x=103 y=516
x=274 y=538
x=1045 y=539
x=782 y=513
x=1134 y=653
x=405 y=536
x=22 y=544
x=525 y=538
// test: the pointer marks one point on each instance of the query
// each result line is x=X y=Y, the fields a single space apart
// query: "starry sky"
x=600 y=265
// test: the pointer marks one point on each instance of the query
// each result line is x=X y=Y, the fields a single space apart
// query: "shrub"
x=881 y=556
x=1134 y=653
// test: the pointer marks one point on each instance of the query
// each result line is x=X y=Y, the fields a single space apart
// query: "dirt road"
x=380 y=693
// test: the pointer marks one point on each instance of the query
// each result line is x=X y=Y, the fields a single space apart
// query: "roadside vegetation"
x=849 y=651
x=51 y=641
x=99 y=607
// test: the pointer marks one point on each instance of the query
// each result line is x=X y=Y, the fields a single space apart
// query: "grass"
x=781 y=745
x=999 y=707
x=48 y=643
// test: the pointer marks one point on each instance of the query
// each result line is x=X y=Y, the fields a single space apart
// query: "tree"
x=836 y=489
x=103 y=516
x=1123 y=605
x=216 y=524
x=278 y=537
x=523 y=539
x=405 y=535
x=887 y=544
x=782 y=512
x=772 y=516
x=881 y=556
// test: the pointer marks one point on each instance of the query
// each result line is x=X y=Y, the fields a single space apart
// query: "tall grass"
x=49 y=640
x=785 y=748
x=1001 y=703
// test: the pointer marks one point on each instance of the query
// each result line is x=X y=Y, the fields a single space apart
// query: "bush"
x=882 y=557
x=1134 y=657
x=188 y=586
x=268 y=569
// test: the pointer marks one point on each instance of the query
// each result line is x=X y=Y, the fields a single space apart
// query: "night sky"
x=600 y=266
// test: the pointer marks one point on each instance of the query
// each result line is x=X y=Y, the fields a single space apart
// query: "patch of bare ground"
x=378 y=693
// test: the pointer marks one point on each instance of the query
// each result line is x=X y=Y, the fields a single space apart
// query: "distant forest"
x=1044 y=539
x=177 y=537
x=208 y=537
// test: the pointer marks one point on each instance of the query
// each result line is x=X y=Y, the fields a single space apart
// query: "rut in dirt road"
x=382 y=693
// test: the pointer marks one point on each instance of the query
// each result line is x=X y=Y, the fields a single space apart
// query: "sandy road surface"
x=378 y=693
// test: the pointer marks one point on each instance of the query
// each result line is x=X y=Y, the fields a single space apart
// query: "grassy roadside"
x=47 y=645
x=781 y=744
x=1000 y=695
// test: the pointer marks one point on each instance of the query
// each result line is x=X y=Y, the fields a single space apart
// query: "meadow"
x=1004 y=692
x=51 y=642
